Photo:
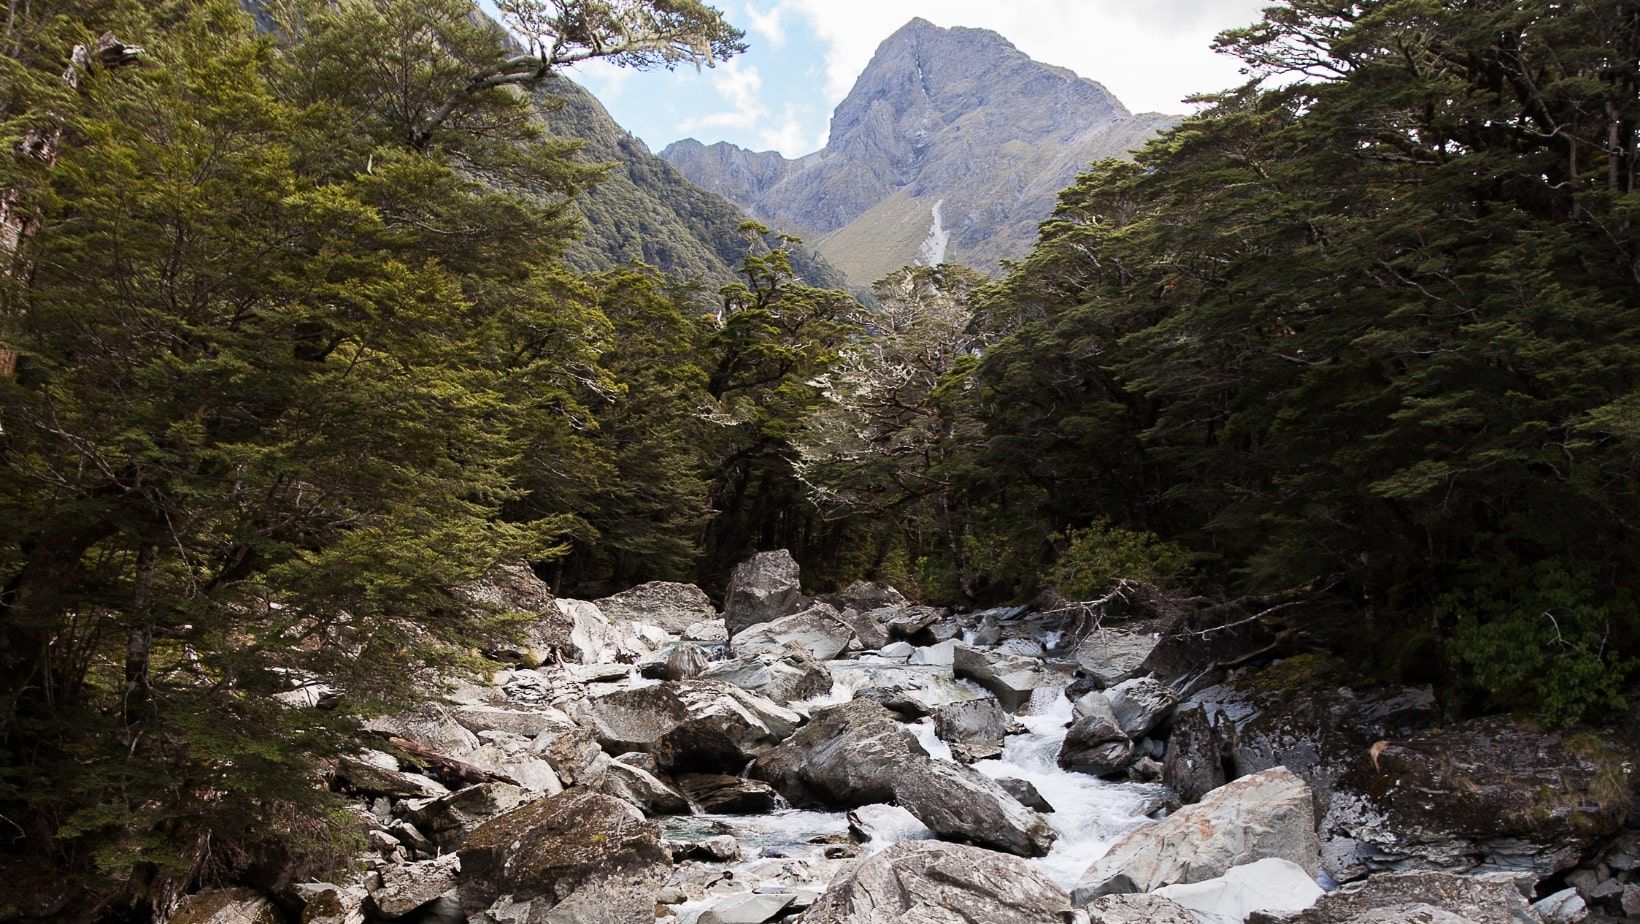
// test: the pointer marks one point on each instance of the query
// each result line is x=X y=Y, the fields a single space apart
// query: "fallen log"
x=449 y=771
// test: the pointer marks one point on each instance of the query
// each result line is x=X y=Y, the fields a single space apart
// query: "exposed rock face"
x=1266 y=815
x=691 y=725
x=579 y=843
x=1419 y=898
x=642 y=789
x=447 y=820
x=1194 y=763
x=671 y=606
x=971 y=721
x=930 y=881
x=718 y=794
x=1141 y=704
x=763 y=588
x=1269 y=886
x=952 y=146
x=1137 y=909
x=1495 y=792
x=856 y=754
x=225 y=906
x=1010 y=678
x=780 y=677
x=408 y=886
x=819 y=630
x=1111 y=656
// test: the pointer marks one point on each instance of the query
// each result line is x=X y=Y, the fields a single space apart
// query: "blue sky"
x=805 y=55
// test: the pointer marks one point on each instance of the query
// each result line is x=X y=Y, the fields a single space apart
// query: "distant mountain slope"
x=952 y=146
x=645 y=209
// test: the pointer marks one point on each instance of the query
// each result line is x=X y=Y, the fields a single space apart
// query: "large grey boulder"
x=762 y=588
x=857 y=754
x=648 y=792
x=695 y=725
x=404 y=887
x=1194 y=762
x=909 y=690
x=1141 y=704
x=447 y=820
x=683 y=662
x=721 y=794
x=1269 y=886
x=780 y=677
x=747 y=908
x=1010 y=678
x=668 y=605
x=1094 y=744
x=973 y=721
x=579 y=852
x=1266 y=815
x=939 y=883
x=819 y=630
x=1497 y=793
x=1420 y=897
x=514 y=586
x=1111 y=656
x=867 y=596
x=1137 y=909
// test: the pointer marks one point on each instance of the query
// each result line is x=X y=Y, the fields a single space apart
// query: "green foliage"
x=1541 y=638
x=1099 y=555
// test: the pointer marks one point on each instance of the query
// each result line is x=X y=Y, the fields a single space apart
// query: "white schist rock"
x=1272 y=886
x=1268 y=815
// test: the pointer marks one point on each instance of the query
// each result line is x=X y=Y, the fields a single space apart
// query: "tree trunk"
x=139 y=644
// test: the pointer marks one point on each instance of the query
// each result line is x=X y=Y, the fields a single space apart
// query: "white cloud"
x=767 y=22
x=741 y=86
x=1150 y=53
x=604 y=79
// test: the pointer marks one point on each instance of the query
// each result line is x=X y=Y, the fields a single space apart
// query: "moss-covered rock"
x=552 y=848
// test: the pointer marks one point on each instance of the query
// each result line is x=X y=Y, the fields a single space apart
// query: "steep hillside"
x=952 y=146
x=645 y=209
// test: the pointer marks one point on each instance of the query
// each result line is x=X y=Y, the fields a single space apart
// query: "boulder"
x=1141 y=704
x=818 y=629
x=530 y=722
x=909 y=690
x=585 y=855
x=1563 y=907
x=1111 y=656
x=887 y=824
x=900 y=650
x=697 y=725
x=762 y=588
x=1010 y=678
x=1496 y=793
x=1095 y=742
x=707 y=632
x=404 y=887
x=871 y=632
x=931 y=881
x=1263 y=816
x=747 y=908
x=971 y=721
x=648 y=792
x=1026 y=792
x=867 y=596
x=432 y=726
x=718 y=794
x=574 y=755
x=943 y=654
x=665 y=604
x=781 y=677
x=856 y=754
x=225 y=906
x=1137 y=909
x=1194 y=762
x=1272 y=886
x=909 y=622
x=327 y=903
x=719 y=848
x=369 y=779
x=683 y=662
x=513 y=586
x=447 y=820
x=1093 y=703
x=1420 y=897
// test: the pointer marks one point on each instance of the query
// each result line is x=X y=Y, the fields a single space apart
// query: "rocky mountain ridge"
x=952 y=147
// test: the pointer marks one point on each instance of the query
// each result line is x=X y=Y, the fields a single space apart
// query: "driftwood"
x=449 y=771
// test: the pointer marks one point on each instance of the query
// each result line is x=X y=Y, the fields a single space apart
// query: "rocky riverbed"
x=857 y=758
